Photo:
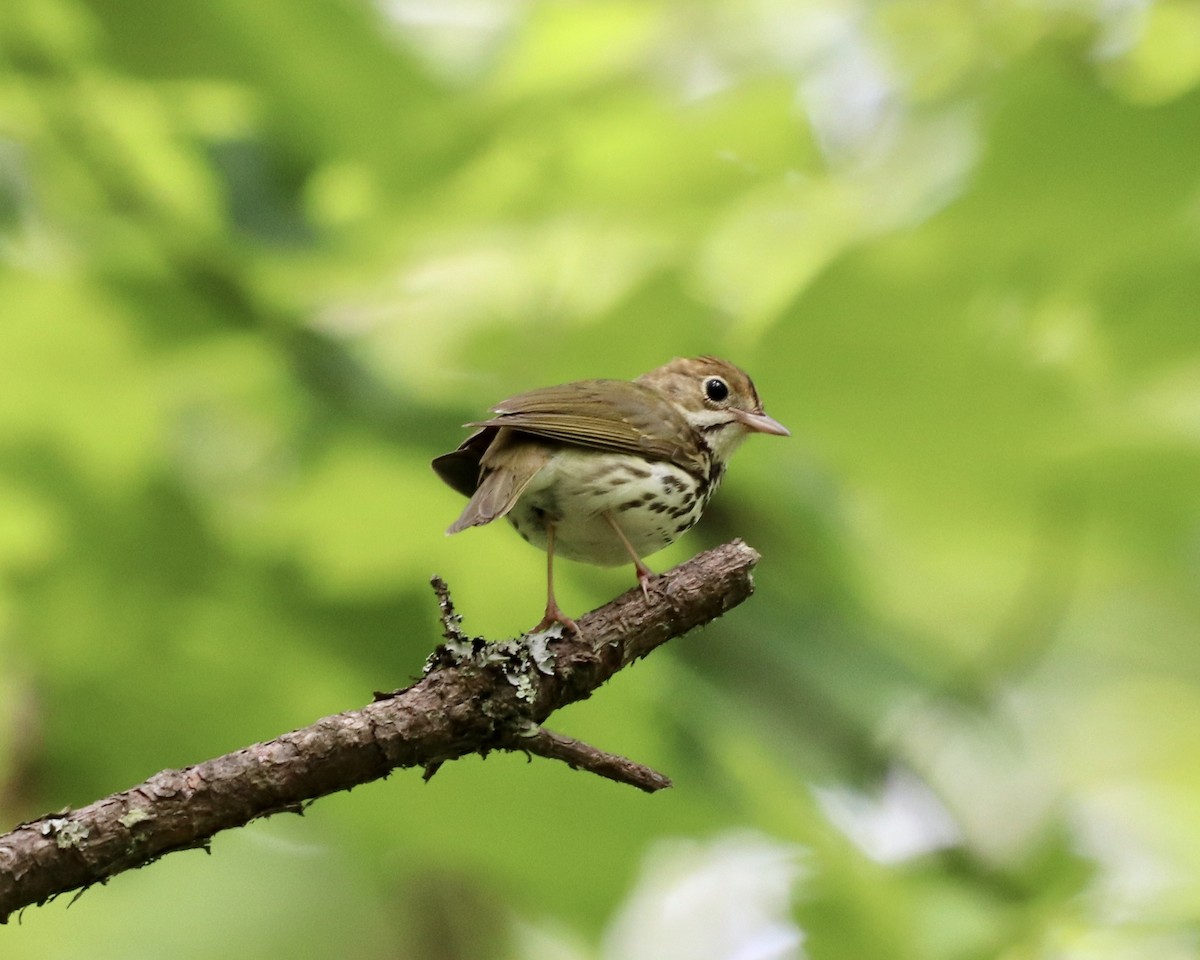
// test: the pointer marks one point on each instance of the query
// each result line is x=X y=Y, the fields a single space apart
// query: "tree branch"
x=475 y=697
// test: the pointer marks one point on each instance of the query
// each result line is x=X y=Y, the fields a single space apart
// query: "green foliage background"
x=259 y=261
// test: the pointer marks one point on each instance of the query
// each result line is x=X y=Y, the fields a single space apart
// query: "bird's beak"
x=761 y=423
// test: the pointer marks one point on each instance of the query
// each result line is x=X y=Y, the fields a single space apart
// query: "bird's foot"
x=644 y=576
x=555 y=615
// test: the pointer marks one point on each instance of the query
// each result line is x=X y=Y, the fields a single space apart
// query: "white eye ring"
x=716 y=389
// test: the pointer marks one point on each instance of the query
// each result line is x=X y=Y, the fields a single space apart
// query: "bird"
x=606 y=471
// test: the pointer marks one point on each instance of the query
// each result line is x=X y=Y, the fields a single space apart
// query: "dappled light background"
x=260 y=261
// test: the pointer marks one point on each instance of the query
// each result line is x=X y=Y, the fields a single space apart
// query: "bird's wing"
x=617 y=415
x=510 y=470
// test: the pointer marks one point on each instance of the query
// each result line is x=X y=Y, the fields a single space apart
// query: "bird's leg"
x=644 y=573
x=554 y=613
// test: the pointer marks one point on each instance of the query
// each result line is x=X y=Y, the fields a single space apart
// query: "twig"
x=450 y=620
x=582 y=756
x=475 y=697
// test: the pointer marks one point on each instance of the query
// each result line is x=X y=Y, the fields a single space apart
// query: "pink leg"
x=644 y=573
x=554 y=613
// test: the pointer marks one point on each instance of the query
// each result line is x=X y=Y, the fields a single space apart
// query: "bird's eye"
x=716 y=389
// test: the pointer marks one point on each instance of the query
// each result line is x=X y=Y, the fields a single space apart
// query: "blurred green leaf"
x=258 y=263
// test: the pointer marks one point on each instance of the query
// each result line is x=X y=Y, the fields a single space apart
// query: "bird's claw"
x=554 y=615
x=644 y=576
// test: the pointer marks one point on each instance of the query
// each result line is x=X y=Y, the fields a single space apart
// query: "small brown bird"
x=606 y=471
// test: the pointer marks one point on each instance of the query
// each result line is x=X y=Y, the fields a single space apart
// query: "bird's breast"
x=653 y=502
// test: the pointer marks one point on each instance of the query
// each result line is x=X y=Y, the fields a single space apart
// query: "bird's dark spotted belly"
x=652 y=502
